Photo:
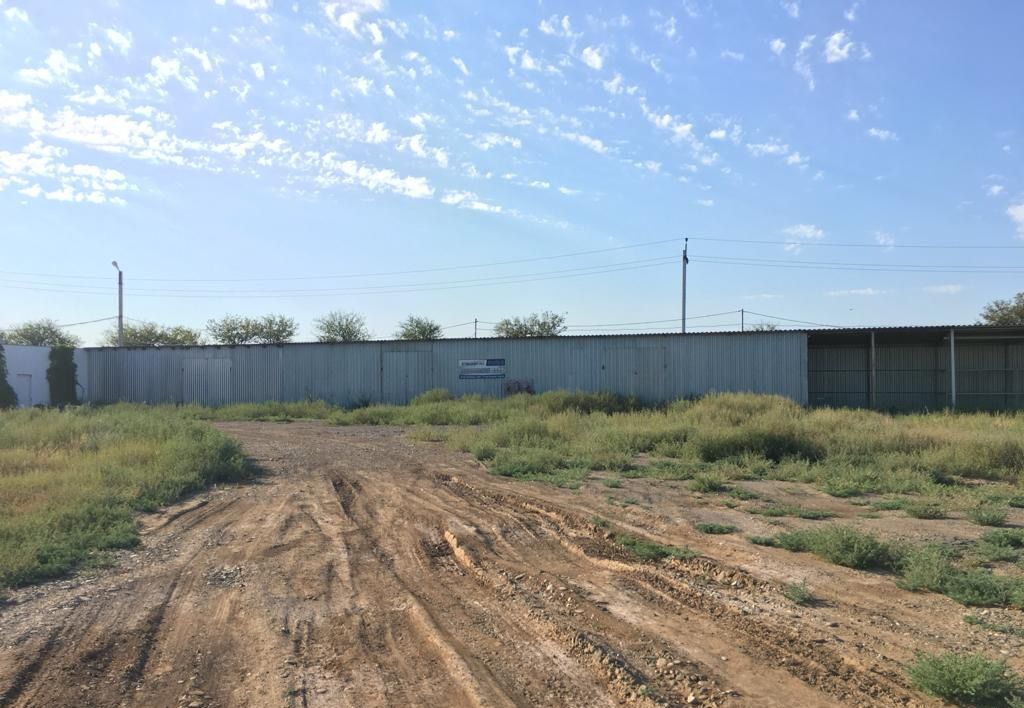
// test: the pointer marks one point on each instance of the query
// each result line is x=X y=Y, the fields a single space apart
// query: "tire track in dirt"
x=365 y=569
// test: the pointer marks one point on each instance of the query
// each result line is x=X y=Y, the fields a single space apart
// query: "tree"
x=546 y=324
x=339 y=326
x=1004 y=313
x=413 y=327
x=8 y=398
x=269 y=329
x=763 y=327
x=151 y=334
x=40 y=333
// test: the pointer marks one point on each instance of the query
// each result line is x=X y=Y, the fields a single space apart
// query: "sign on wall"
x=481 y=368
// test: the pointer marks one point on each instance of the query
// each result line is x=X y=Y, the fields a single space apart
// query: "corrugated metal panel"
x=654 y=367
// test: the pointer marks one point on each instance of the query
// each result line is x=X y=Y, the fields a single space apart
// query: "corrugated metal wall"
x=654 y=367
x=989 y=375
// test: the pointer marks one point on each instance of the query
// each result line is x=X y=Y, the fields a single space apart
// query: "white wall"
x=26 y=372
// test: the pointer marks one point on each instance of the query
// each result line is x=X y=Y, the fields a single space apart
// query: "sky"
x=479 y=160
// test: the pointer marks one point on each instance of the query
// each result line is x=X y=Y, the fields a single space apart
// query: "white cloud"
x=68 y=182
x=449 y=35
x=837 y=47
x=851 y=12
x=557 y=27
x=853 y=114
x=462 y=66
x=883 y=238
x=487 y=141
x=667 y=28
x=16 y=14
x=995 y=190
x=257 y=70
x=801 y=66
x=254 y=5
x=649 y=165
x=468 y=200
x=101 y=95
x=1016 y=213
x=718 y=134
x=417 y=145
x=731 y=55
x=57 y=67
x=166 y=69
x=797 y=160
x=772 y=147
x=883 y=135
x=362 y=84
x=593 y=57
x=199 y=55
x=95 y=51
x=777 y=46
x=706 y=202
x=528 y=63
x=586 y=141
x=802 y=233
x=862 y=292
x=376 y=36
x=377 y=133
x=617 y=85
x=569 y=192
x=420 y=120
x=950 y=289
x=792 y=8
x=122 y=41
x=374 y=179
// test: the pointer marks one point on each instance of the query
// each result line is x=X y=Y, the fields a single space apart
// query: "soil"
x=367 y=569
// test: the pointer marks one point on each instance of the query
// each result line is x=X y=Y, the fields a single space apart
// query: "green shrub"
x=649 y=550
x=8 y=398
x=965 y=679
x=770 y=444
x=890 y=504
x=798 y=593
x=924 y=510
x=434 y=395
x=841 y=545
x=763 y=540
x=612 y=482
x=525 y=462
x=1017 y=502
x=979 y=588
x=926 y=568
x=744 y=494
x=712 y=528
x=988 y=515
x=62 y=376
x=707 y=484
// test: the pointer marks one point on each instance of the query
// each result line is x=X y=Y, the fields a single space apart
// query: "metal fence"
x=652 y=367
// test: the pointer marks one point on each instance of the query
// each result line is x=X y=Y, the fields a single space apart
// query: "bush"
x=770 y=444
x=763 y=540
x=526 y=462
x=744 y=494
x=708 y=484
x=841 y=545
x=980 y=588
x=964 y=679
x=926 y=568
x=62 y=376
x=8 y=399
x=434 y=395
x=988 y=515
x=714 y=528
x=924 y=510
x=649 y=550
x=798 y=593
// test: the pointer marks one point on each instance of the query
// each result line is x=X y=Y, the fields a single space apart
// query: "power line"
x=854 y=245
x=714 y=260
x=786 y=319
x=672 y=319
x=75 y=324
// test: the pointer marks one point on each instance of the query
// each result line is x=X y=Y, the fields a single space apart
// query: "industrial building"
x=966 y=367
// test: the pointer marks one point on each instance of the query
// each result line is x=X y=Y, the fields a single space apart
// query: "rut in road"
x=366 y=569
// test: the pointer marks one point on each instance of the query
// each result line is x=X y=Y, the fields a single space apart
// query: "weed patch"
x=649 y=550
x=798 y=593
x=841 y=545
x=965 y=679
x=714 y=528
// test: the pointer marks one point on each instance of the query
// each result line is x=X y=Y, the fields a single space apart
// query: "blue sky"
x=229 y=153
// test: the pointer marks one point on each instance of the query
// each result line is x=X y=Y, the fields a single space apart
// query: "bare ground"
x=366 y=569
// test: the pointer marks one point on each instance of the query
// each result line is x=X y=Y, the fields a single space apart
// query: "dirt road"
x=366 y=569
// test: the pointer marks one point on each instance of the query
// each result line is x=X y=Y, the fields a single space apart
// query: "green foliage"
x=981 y=588
x=415 y=328
x=965 y=679
x=779 y=510
x=268 y=410
x=1004 y=313
x=40 y=333
x=62 y=376
x=841 y=545
x=708 y=484
x=925 y=510
x=926 y=568
x=71 y=482
x=988 y=515
x=994 y=627
x=744 y=494
x=612 y=482
x=151 y=334
x=773 y=443
x=649 y=550
x=434 y=395
x=545 y=324
x=8 y=398
x=268 y=329
x=711 y=528
x=340 y=326
x=798 y=593
x=763 y=540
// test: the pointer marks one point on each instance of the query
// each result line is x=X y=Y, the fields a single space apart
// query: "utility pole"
x=743 y=320
x=474 y=328
x=120 y=304
x=686 y=260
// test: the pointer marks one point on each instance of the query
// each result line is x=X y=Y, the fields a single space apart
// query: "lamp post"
x=120 y=304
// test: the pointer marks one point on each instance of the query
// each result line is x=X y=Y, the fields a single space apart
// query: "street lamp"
x=120 y=304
